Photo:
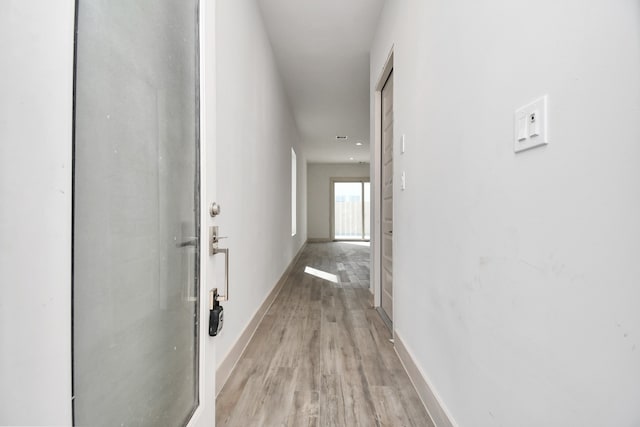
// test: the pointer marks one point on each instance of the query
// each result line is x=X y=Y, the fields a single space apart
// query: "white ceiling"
x=322 y=51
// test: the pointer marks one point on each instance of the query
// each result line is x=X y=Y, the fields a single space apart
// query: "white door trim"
x=376 y=182
x=205 y=413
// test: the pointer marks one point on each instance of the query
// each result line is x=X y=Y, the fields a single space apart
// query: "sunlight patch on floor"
x=358 y=243
x=321 y=274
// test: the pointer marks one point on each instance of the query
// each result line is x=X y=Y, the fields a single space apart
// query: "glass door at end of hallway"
x=351 y=214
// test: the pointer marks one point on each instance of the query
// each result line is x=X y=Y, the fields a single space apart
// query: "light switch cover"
x=521 y=127
x=532 y=132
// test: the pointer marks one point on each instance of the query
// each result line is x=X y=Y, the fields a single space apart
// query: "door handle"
x=225 y=251
x=192 y=242
x=214 y=250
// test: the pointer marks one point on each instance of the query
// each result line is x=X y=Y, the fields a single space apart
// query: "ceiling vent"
x=341 y=138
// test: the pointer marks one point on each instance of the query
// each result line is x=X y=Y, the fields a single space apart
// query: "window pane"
x=367 y=210
x=136 y=213
x=294 y=189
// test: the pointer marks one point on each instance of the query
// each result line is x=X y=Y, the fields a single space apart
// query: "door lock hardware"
x=214 y=210
x=214 y=238
x=216 y=313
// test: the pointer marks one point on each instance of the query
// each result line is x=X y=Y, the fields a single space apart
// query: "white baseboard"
x=430 y=399
x=318 y=240
x=231 y=359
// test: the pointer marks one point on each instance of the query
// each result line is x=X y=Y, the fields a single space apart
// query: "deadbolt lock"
x=214 y=210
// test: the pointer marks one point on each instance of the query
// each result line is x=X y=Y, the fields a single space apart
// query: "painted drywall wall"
x=255 y=134
x=319 y=193
x=516 y=276
x=36 y=41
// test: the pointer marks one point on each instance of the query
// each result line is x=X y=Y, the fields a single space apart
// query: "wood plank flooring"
x=322 y=356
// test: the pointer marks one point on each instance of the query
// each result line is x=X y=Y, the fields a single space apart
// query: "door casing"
x=205 y=414
x=376 y=182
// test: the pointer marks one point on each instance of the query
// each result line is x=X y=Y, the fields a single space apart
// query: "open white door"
x=141 y=155
x=142 y=354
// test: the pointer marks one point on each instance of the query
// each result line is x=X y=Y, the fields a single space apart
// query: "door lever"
x=225 y=251
x=213 y=250
x=192 y=242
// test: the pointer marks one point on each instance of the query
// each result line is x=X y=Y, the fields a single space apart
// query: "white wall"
x=255 y=133
x=517 y=276
x=319 y=193
x=36 y=41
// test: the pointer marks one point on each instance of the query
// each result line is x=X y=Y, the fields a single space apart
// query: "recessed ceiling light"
x=350 y=158
x=358 y=144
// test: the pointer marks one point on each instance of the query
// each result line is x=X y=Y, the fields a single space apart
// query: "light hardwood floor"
x=322 y=356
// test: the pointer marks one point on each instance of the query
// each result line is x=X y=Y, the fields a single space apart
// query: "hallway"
x=322 y=355
x=135 y=136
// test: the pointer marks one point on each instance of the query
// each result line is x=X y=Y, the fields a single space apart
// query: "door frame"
x=376 y=183
x=332 y=224
x=207 y=74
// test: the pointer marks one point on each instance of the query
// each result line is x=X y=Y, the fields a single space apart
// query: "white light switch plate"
x=530 y=125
